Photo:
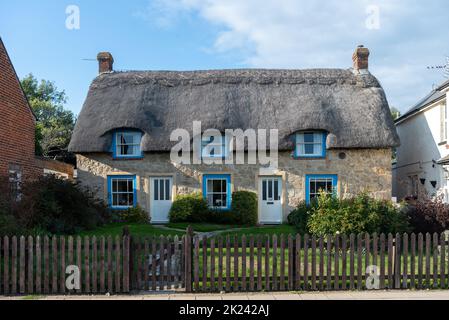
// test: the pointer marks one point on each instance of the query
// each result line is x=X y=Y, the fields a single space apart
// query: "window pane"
x=217 y=200
x=122 y=186
x=114 y=199
x=216 y=186
x=317 y=149
x=209 y=185
x=131 y=199
x=114 y=185
x=224 y=198
x=223 y=186
x=161 y=189
x=312 y=187
x=270 y=189
x=130 y=186
x=167 y=189
x=210 y=200
x=321 y=186
x=308 y=137
x=156 y=189
x=308 y=149
x=276 y=189
x=122 y=199
x=264 y=190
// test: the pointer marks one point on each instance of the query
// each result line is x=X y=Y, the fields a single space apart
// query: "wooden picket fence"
x=35 y=265
x=295 y=262
x=126 y=264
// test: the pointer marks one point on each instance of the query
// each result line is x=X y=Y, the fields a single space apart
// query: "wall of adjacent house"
x=17 y=125
x=422 y=145
x=358 y=170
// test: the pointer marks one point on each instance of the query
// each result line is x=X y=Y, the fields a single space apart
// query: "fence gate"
x=157 y=263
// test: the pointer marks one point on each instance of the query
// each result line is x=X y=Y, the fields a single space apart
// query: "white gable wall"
x=421 y=146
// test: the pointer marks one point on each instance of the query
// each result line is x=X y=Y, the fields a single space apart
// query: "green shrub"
x=55 y=206
x=8 y=225
x=221 y=217
x=189 y=208
x=359 y=214
x=299 y=217
x=244 y=207
x=134 y=215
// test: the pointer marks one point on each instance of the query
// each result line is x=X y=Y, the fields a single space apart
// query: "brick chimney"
x=360 y=59
x=105 y=62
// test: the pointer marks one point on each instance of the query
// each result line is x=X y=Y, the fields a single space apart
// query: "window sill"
x=442 y=143
x=121 y=208
x=309 y=157
x=128 y=158
x=219 y=209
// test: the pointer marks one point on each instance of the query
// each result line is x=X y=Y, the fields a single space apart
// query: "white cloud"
x=311 y=34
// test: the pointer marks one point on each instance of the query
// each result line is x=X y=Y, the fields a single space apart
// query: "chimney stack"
x=360 y=59
x=105 y=62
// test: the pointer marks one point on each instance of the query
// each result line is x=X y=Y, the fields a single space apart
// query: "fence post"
x=188 y=259
x=132 y=277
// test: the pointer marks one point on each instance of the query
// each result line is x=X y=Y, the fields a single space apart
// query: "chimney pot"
x=105 y=62
x=360 y=58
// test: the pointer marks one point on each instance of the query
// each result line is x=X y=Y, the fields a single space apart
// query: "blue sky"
x=404 y=36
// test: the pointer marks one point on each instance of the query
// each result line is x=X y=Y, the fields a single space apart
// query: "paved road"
x=348 y=295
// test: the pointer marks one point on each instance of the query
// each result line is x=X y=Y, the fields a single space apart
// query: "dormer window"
x=126 y=144
x=213 y=146
x=310 y=144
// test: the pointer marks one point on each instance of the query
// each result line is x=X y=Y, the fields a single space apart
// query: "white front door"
x=270 y=191
x=161 y=198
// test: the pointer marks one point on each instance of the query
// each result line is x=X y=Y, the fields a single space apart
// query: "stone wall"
x=357 y=170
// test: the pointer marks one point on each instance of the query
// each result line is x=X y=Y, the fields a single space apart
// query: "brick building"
x=17 y=128
x=17 y=125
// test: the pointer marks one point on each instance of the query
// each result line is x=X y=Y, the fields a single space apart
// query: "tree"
x=54 y=124
x=395 y=113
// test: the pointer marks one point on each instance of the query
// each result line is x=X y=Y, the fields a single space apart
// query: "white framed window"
x=310 y=144
x=127 y=144
x=317 y=183
x=15 y=181
x=217 y=191
x=214 y=147
x=122 y=191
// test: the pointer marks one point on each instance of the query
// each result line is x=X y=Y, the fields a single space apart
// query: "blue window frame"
x=217 y=191
x=310 y=144
x=126 y=144
x=213 y=147
x=122 y=193
x=317 y=182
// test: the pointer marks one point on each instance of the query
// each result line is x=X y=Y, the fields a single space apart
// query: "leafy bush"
x=221 y=217
x=429 y=215
x=244 y=207
x=189 y=208
x=359 y=214
x=134 y=215
x=55 y=206
x=299 y=217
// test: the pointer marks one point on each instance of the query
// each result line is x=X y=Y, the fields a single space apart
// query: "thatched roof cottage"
x=334 y=132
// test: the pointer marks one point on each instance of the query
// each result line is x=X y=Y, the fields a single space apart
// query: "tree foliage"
x=395 y=113
x=54 y=124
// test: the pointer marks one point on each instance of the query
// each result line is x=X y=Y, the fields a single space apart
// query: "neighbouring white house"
x=422 y=159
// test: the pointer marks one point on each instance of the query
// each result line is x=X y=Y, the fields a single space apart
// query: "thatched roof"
x=351 y=107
